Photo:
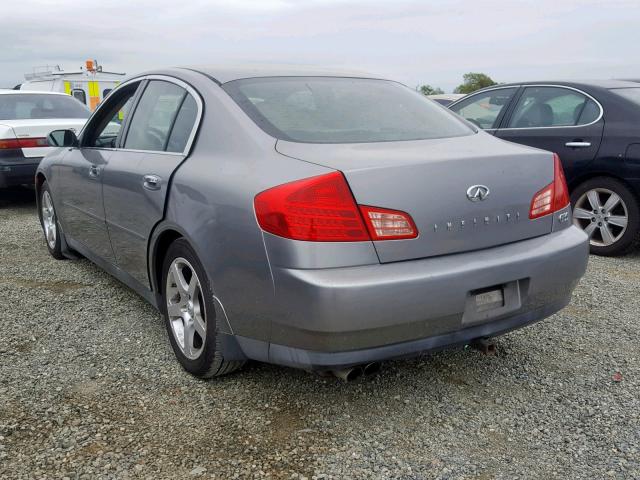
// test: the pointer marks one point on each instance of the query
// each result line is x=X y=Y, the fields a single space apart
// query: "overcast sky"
x=414 y=42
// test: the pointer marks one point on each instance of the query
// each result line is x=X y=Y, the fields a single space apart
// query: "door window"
x=79 y=95
x=106 y=125
x=483 y=109
x=183 y=126
x=553 y=107
x=154 y=116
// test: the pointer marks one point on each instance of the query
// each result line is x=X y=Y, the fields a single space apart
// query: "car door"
x=137 y=176
x=485 y=109
x=560 y=119
x=80 y=177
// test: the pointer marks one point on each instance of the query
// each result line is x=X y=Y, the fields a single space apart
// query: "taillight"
x=322 y=209
x=384 y=224
x=13 y=143
x=554 y=196
x=317 y=209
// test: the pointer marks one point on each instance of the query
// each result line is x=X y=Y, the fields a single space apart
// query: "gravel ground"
x=89 y=388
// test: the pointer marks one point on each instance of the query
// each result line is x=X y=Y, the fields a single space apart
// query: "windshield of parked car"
x=632 y=94
x=30 y=106
x=342 y=110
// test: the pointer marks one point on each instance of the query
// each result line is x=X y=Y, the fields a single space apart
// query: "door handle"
x=94 y=171
x=151 y=182
x=578 y=144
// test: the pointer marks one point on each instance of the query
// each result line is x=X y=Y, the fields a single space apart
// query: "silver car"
x=308 y=218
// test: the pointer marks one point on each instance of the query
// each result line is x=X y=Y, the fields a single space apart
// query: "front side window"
x=484 y=109
x=105 y=127
x=342 y=110
x=553 y=107
x=40 y=106
x=154 y=116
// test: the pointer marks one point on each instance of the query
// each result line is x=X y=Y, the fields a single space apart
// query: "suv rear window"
x=342 y=110
x=40 y=106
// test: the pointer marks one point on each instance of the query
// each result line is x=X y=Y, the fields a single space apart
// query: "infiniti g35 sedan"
x=308 y=218
x=593 y=127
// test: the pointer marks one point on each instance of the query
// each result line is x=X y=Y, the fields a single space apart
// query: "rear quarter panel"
x=211 y=203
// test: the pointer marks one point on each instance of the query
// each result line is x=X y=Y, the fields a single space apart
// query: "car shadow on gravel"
x=17 y=197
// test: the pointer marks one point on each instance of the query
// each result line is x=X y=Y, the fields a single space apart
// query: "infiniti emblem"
x=477 y=193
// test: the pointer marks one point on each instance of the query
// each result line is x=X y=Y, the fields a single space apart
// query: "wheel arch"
x=601 y=173
x=40 y=179
x=161 y=240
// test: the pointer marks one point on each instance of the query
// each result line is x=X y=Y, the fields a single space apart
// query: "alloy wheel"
x=49 y=220
x=603 y=215
x=186 y=308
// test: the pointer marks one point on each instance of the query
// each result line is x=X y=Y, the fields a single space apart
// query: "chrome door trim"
x=561 y=126
x=466 y=97
x=194 y=93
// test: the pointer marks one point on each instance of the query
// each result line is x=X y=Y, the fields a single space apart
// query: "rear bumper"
x=18 y=174
x=315 y=360
x=345 y=316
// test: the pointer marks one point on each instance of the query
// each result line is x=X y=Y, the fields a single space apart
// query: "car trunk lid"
x=37 y=128
x=430 y=179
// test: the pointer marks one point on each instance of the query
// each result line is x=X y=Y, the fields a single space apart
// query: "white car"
x=26 y=118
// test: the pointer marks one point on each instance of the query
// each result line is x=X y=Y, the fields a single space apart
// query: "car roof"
x=228 y=73
x=607 y=84
x=30 y=92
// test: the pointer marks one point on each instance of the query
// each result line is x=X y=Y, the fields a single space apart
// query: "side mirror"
x=62 y=138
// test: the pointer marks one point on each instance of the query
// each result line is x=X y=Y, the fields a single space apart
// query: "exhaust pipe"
x=348 y=374
x=485 y=346
x=371 y=368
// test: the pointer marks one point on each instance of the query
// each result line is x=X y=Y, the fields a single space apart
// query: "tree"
x=429 y=90
x=473 y=82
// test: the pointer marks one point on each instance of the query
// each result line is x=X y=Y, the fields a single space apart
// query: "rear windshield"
x=632 y=94
x=342 y=110
x=34 y=106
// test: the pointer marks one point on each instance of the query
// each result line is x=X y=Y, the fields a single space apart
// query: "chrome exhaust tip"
x=348 y=374
x=371 y=368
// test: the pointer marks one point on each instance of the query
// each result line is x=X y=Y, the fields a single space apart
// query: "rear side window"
x=40 y=106
x=553 y=107
x=183 y=126
x=154 y=116
x=342 y=110
x=484 y=109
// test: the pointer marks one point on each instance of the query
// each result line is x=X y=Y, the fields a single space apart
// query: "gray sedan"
x=315 y=219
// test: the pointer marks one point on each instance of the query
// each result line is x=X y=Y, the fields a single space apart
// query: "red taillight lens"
x=316 y=209
x=554 y=196
x=384 y=224
x=322 y=209
x=13 y=143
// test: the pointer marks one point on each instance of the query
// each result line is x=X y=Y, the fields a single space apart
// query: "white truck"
x=90 y=85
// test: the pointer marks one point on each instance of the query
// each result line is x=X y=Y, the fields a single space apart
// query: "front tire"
x=49 y=222
x=608 y=212
x=190 y=315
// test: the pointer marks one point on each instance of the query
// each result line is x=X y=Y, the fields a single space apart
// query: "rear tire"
x=49 y=222
x=607 y=210
x=190 y=316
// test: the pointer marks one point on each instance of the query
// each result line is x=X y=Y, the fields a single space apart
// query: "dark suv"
x=595 y=129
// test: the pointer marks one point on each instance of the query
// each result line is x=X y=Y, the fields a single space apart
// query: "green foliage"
x=429 y=90
x=473 y=82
